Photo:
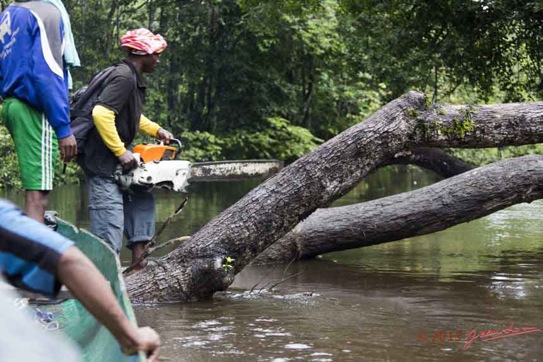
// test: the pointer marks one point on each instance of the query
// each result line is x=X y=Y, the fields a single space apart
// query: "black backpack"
x=81 y=104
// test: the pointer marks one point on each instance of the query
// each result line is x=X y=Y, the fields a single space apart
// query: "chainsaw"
x=159 y=166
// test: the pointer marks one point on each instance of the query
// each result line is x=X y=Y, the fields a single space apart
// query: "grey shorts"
x=114 y=212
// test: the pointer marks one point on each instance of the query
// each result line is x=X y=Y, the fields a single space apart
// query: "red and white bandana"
x=142 y=42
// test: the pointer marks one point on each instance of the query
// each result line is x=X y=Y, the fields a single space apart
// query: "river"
x=419 y=299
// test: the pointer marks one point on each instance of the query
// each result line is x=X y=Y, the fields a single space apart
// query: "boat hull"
x=69 y=317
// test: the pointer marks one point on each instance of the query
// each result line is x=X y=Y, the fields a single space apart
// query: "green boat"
x=69 y=317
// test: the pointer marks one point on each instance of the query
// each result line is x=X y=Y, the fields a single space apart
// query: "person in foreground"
x=34 y=86
x=36 y=258
x=118 y=117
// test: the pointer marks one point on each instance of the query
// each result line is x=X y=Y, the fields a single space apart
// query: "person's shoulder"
x=118 y=78
x=123 y=70
x=42 y=8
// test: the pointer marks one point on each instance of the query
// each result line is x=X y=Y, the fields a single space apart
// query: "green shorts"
x=35 y=143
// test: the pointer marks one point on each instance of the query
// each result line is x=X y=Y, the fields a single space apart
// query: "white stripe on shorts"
x=46 y=154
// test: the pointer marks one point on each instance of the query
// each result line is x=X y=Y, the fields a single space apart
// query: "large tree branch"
x=433 y=159
x=453 y=201
x=197 y=269
x=496 y=125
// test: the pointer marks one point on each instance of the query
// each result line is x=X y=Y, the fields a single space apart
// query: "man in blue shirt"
x=34 y=257
x=34 y=86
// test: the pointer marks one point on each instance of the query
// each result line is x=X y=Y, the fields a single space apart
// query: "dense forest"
x=273 y=79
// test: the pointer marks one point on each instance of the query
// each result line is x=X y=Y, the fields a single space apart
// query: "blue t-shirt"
x=29 y=251
x=31 y=65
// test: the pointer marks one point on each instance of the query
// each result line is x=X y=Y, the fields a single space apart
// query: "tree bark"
x=432 y=159
x=453 y=201
x=200 y=267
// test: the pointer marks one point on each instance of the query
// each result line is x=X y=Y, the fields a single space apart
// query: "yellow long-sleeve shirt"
x=104 y=120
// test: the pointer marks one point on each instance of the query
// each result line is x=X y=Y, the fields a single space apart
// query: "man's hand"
x=68 y=148
x=148 y=341
x=89 y=286
x=164 y=135
x=128 y=161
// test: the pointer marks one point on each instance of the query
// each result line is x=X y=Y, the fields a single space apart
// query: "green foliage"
x=458 y=50
x=72 y=174
x=227 y=263
x=279 y=140
x=322 y=64
x=485 y=156
x=9 y=169
x=201 y=146
x=457 y=128
x=236 y=70
x=412 y=113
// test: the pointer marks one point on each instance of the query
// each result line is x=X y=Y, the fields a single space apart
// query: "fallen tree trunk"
x=453 y=201
x=433 y=159
x=202 y=266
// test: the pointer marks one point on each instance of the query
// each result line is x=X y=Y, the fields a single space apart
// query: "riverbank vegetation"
x=273 y=79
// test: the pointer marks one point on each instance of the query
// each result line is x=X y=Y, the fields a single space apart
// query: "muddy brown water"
x=420 y=299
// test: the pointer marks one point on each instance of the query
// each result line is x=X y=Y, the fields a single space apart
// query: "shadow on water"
x=412 y=300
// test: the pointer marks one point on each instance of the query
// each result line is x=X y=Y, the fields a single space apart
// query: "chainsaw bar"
x=233 y=170
x=176 y=175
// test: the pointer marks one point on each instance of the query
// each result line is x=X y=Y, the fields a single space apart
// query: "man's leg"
x=35 y=204
x=106 y=210
x=36 y=146
x=139 y=216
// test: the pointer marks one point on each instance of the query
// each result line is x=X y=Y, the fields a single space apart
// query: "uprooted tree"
x=269 y=212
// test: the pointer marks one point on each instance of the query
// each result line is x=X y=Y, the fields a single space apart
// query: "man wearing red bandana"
x=118 y=118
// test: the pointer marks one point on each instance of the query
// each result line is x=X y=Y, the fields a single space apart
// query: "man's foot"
x=50 y=219
x=137 y=252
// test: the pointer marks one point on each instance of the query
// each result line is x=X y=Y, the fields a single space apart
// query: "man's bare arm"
x=90 y=287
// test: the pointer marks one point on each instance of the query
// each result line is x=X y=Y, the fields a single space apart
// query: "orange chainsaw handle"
x=155 y=152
